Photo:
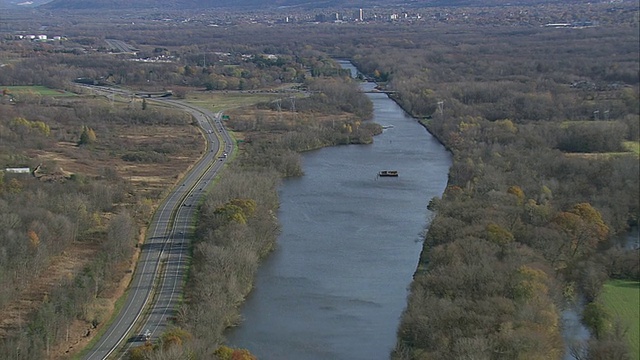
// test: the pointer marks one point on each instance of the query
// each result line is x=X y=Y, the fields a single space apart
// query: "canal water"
x=336 y=285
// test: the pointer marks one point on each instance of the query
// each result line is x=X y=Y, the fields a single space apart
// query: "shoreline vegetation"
x=510 y=242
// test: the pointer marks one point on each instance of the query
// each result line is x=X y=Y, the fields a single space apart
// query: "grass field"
x=218 y=101
x=633 y=146
x=39 y=90
x=622 y=300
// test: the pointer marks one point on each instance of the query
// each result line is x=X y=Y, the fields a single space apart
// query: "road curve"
x=163 y=258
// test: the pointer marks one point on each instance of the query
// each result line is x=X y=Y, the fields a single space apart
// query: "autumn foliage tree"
x=21 y=124
x=87 y=137
x=237 y=210
x=174 y=337
x=227 y=353
x=583 y=229
x=141 y=352
x=34 y=239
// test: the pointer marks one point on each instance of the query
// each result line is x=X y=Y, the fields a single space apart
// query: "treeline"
x=466 y=128
x=529 y=84
x=333 y=114
x=196 y=66
x=336 y=95
x=540 y=190
x=236 y=228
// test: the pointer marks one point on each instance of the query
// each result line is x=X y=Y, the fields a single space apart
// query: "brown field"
x=146 y=178
x=148 y=181
x=283 y=119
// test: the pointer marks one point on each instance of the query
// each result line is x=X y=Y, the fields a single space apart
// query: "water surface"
x=336 y=285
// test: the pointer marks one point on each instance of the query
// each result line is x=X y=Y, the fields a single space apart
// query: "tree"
x=613 y=345
x=34 y=239
x=174 y=337
x=530 y=284
x=227 y=353
x=87 y=137
x=141 y=352
x=596 y=318
x=593 y=220
x=517 y=192
x=120 y=235
x=237 y=210
x=498 y=235
x=584 y=228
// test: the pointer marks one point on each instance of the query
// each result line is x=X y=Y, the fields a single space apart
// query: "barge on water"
x=388 y=173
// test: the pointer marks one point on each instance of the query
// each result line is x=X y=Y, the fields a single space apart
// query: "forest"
x=542 y=123
x=541 y=188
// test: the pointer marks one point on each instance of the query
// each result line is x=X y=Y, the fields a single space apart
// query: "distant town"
x=621 y=12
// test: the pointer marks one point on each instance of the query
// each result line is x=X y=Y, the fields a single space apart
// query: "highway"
x=119 y=45
x=157 y=282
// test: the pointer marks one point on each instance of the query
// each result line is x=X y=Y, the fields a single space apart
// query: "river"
x=336 y=285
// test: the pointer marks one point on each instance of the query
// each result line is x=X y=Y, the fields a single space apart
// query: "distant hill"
x=258 y=4
x=8 y=4
x=182 y=4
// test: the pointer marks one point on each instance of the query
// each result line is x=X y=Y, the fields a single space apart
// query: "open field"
x=599 y=156
x=218 y=101
x=633 y=146
x=622 y=300
x=38 y=90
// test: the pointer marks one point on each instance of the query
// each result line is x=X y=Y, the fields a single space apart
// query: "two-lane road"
x=163 y=259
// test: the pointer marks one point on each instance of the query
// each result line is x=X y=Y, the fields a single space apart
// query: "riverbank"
x=337 y=220
x=393 y=96
x=513 y=192
x=237 y=227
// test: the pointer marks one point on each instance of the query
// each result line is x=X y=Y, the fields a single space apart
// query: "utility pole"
x=279 y=107
x=293 y=105
x=441 y=108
